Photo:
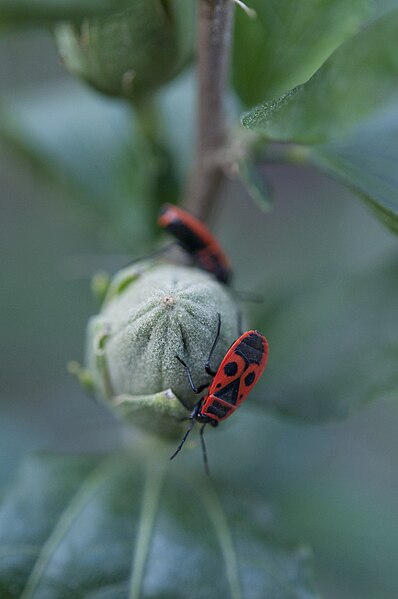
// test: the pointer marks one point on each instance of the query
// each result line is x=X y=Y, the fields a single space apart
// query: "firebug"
x=196 y=239
x=239 y=371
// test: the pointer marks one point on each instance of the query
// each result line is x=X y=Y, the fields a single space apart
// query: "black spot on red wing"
x=240 y=396
x=256 y=341
x=229 y=393
x=231 y=368
x=218 y=409
x=251 y=349
x=218 y=385
x=188 y=238
x=249 y=379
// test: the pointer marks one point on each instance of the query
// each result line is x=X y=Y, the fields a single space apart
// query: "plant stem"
x=214 y=37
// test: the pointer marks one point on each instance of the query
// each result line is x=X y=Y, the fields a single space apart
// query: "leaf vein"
x=84 y=493
x=150 y=502
x=224 y=536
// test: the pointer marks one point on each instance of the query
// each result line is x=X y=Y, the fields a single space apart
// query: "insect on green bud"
x=153 y=313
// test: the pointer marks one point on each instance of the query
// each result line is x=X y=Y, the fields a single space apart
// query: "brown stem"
x=214 y=36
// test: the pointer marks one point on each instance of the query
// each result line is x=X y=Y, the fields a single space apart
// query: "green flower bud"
x=152 y=313
x=131 y=52
x=100 y=285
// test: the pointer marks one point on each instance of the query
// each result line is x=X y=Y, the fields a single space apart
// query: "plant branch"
x=213 y=45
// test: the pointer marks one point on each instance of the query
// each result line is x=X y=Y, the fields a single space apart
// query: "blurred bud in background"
x=132 y=52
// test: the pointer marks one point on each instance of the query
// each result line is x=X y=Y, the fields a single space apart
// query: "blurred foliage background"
x=333 y=485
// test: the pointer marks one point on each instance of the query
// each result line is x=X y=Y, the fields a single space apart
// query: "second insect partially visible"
x=195 y=238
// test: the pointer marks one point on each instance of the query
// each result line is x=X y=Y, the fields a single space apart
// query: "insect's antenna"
x=204 y=452
x=157 y=252
x=177 y=451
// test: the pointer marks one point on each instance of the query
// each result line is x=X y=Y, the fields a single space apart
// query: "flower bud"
x=131 y=52
x=153 y=313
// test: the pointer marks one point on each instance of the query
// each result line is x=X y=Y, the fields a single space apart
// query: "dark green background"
x=334 y=486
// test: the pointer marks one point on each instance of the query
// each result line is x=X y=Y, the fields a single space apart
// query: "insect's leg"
x=208 y=368
x=194 y=412
x=192 y=417
x=177 y=451
x=194 y=389
x=204 y=452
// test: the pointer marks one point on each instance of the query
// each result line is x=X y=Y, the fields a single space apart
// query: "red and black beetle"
x=239 y=371
x=197 y=240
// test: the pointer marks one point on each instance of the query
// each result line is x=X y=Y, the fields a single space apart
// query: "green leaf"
x=288 y=42
x=347 y=112
x=255 y=183
x=359 y=79
x=95 y=150
x=117 y=527
x=341 y=504
x=333 y=347
x=44 y=11
x=133 y=52
x=367 y=162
